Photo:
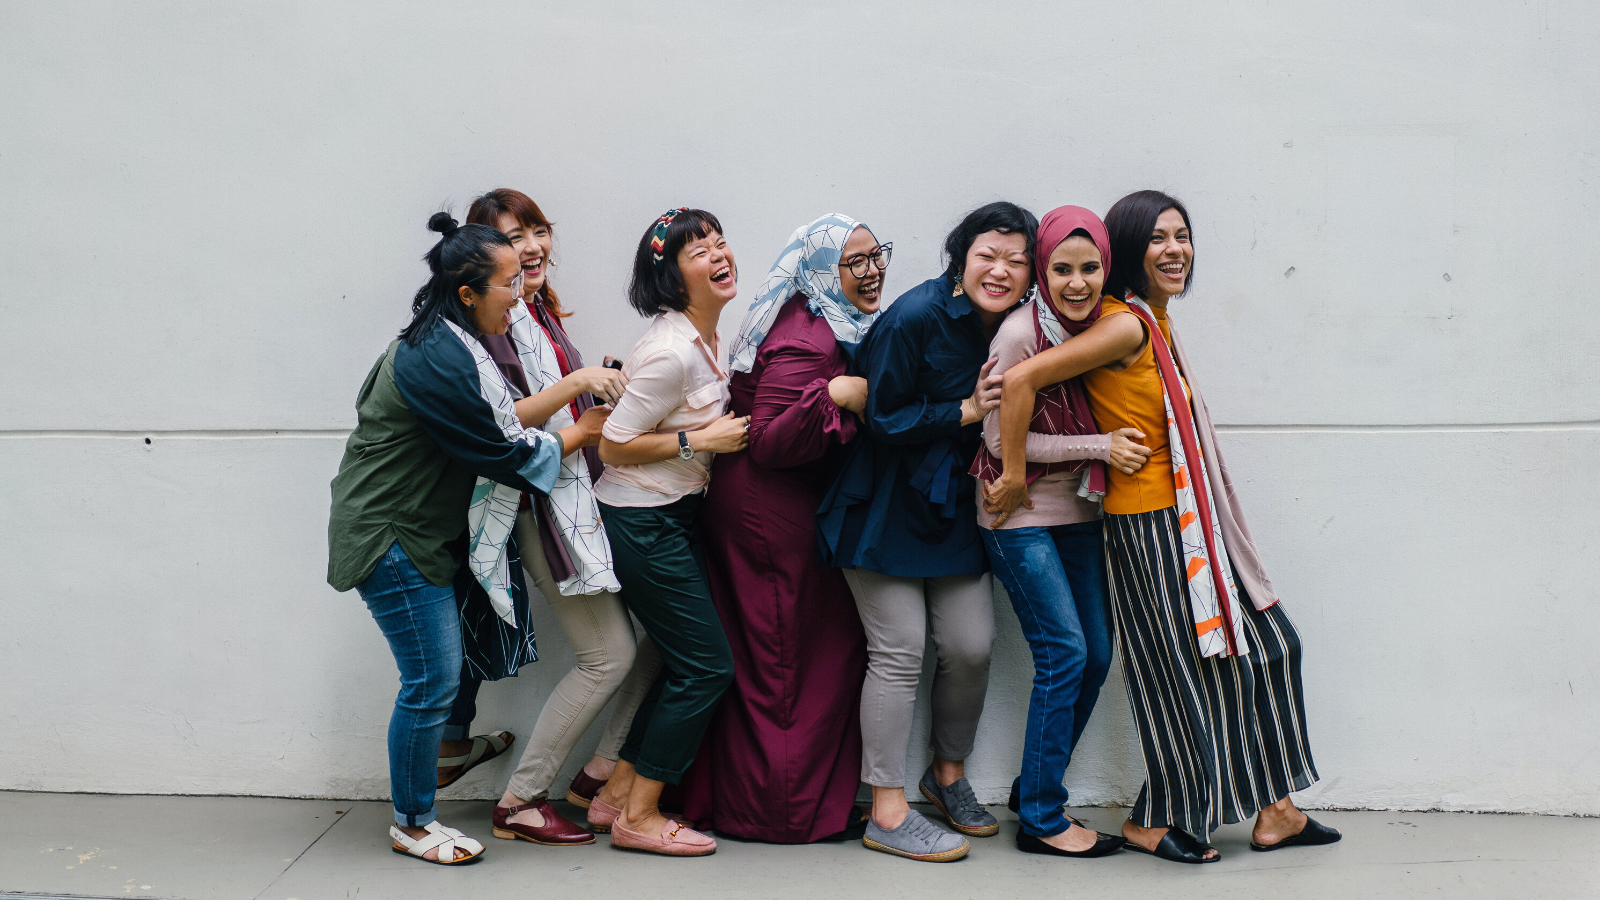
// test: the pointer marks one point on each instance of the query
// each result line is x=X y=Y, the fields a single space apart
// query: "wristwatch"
x=683 y=446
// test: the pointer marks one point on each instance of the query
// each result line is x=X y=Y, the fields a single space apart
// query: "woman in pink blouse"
x=658 y=445
x=781 y=760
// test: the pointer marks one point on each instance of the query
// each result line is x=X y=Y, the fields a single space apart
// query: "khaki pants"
x=896 y=613
x=600 y=633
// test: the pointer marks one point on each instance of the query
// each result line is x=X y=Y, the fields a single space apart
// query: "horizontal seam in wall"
x=343 y=433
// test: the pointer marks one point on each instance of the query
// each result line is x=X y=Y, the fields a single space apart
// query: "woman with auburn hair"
x=658 y=445
x=1211 y=658
x=782 y=759
x=564 y=553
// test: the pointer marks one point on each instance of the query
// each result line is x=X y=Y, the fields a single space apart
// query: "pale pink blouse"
x=675 y=383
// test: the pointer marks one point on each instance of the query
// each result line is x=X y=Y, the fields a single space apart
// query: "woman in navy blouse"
x=898 y=519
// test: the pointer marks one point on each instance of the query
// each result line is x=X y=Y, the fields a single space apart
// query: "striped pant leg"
x=1169 y=699
x=1245 y=725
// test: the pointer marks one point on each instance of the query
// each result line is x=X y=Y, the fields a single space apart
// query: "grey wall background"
x=213 y=218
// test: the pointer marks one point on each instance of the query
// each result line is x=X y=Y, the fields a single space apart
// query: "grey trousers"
x=601 y=635
x=897 y=614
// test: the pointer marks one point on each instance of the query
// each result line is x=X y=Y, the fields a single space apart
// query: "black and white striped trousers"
x=1222 y=736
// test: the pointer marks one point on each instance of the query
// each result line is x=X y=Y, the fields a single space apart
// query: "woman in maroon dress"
x=781 y=759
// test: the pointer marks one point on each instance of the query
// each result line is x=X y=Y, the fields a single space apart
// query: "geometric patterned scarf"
x=571 y=501
x=1213 y=595
x=493 y=511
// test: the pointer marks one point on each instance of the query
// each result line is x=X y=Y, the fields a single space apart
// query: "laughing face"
x=532 y=243
x=1075 y=277
x=1167 y=258
x=708 y=270
x=996 y=274
x=864 y=293
x=491 y=310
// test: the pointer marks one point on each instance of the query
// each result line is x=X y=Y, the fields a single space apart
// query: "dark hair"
x=1129 y=225
x=1001 y=216
x=658 y=287
x=487 y=210
x=464 y=256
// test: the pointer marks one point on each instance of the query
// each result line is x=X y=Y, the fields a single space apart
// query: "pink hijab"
x=1061 y=408
x=1057 y=226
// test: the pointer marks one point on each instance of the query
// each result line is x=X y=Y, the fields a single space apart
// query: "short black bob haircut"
x=463 y=256
x=654 y=289
x=1001 y=216
x=1129 y=224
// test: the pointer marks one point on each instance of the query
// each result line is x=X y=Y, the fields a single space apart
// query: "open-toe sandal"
x=484 y=748
x=445 y=840
x=1178 y=846
x=1314 y=834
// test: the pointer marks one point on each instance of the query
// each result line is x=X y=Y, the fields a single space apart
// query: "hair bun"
x=442 y=222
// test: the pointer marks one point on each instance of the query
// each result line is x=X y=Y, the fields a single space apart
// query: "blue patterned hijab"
x=809 y=265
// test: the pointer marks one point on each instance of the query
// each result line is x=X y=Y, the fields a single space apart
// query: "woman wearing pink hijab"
x=1049 y=552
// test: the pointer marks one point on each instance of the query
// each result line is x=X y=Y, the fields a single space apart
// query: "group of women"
x=789 y=518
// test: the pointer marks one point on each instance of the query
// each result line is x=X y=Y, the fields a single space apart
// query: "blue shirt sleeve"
x=439 y=381
x=896 y=412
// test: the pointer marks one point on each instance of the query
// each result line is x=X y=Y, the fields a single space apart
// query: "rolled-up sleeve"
x=655 y=388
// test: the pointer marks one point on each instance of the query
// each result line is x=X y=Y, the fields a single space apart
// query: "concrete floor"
x=199 y=848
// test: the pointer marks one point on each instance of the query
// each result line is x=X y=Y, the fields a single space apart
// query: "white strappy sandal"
x=481 y=745
x=446 y=839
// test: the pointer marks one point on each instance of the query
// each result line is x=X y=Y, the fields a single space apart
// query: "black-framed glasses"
x=862 y=263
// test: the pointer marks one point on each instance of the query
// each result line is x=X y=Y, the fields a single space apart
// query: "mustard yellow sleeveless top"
x=1131 y=398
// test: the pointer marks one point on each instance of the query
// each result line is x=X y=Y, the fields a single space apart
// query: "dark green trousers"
x=661 y=566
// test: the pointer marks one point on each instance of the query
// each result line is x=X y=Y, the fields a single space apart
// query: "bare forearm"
x=536 y=410
x=642 y=450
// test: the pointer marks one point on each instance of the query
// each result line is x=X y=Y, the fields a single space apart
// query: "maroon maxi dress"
x=781 y=760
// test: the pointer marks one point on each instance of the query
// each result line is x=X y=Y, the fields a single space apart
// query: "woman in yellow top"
x=1211 y=659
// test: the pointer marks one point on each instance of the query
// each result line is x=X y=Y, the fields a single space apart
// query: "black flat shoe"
x=1179 y=846
x=1104 y=844
x=1313 y=835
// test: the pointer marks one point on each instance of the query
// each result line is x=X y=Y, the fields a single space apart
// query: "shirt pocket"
x=702 y=397
x=947 y=375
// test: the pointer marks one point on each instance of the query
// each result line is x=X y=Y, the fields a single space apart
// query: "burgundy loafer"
x=555 y=832
x=583 y=789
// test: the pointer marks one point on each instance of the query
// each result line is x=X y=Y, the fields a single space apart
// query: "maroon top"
x=781 y=760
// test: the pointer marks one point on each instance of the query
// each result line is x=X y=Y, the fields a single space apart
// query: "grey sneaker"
x=960 y=806
x=916 y=838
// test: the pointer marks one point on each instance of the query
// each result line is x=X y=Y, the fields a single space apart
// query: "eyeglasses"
x=860 y=264
x=515 y=287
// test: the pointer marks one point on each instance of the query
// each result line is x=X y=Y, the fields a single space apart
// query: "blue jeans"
x=424 y=630
x=1056 y=577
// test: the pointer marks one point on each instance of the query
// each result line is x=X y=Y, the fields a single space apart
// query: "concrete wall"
x=213 y=215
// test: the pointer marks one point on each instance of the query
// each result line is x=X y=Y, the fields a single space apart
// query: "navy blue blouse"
x=903 y=503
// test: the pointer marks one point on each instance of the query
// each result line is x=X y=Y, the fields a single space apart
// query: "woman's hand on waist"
x=1002 y=496
x=728 y=434
x=985 y=394
x=849 y=392
x=1126 y=453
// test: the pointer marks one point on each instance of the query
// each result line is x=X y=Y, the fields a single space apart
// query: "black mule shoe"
x=1313 y=835
x=1104 y=844
x=1179 y=846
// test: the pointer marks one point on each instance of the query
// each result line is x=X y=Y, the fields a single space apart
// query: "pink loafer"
x=601 y=815
x=675 y=840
